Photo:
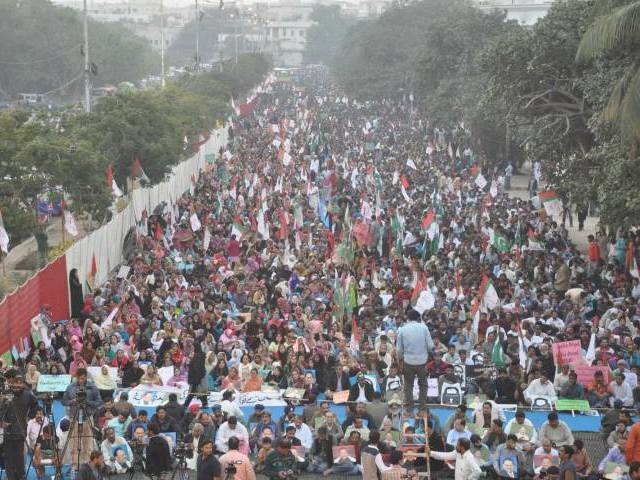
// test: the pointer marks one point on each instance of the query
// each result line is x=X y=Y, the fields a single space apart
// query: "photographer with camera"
x=82 y=400
x=81 y=393
x=235 y=463
x=158 y=452
x=208 y=466
x=19 y=405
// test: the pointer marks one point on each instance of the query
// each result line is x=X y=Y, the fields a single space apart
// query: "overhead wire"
x=43 y=60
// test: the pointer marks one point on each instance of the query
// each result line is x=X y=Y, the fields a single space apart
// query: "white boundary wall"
x=107 y=241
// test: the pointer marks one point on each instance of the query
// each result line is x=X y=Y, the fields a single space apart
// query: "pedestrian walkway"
x=519 y=189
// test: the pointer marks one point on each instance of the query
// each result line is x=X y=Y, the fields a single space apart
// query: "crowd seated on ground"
x=325 y=227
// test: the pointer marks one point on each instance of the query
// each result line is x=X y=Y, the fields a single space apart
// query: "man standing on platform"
x=413 y=346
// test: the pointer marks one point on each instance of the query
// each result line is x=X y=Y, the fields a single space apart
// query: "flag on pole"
x=138 y=171
x=499 y=242
x=237 y=228
x=91 y=276
x=591 y=350
x=70 y=224
x=404 y=181
x=4 y=237
x=207 y=239
x=263 y=226
x=551 y=202
x=497 y=353
x=354 y=342
x=428 y=219
x=488 y=296
x=111 y=183
x=195 y=222
x=411 y=164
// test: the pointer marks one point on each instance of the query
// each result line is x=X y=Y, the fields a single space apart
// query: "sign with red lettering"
x=586 y=373
x=567 y=352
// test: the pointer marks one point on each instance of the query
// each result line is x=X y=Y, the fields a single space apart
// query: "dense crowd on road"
x=304 y=258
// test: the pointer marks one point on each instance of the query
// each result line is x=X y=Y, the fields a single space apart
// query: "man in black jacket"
x=158 y=452
x=14 y=415
x=164 y=422
x=338 y=379
x=362 y=391
x=174 y=409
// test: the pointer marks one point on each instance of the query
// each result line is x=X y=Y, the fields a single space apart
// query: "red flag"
x=332 y=242
x=94 y=266
x=404 y=181
x=159 y=232
x=137 y=167
x=354 y=328
x=419 y=287
x=109 y=177
x=427 y=220
x=284 y=226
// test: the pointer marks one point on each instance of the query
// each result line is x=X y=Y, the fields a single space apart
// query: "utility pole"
x=235 y=36
x=87 y=65
x=197 y=37
x=162 y=74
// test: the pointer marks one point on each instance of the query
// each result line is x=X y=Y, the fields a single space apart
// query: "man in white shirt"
x=620 y=390
x=228 y=406
x=466 y=466
x=540 y=387
x=303 y=433
x=230 y=428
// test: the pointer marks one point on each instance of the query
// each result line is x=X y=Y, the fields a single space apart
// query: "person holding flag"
x=414 y=343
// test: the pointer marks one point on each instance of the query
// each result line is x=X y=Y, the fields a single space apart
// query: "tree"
x=324 y=38
x=618 y=31
x=42 y=50
x=49 y=150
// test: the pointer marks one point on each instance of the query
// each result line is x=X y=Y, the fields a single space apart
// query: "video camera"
x=182 y=450
x=81 y=393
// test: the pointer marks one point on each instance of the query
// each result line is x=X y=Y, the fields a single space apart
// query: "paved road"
x=519 y=189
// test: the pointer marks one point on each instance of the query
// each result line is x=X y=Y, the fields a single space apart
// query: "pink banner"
x=567 y=352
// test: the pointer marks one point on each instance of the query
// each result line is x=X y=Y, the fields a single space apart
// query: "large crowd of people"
x=350 y=246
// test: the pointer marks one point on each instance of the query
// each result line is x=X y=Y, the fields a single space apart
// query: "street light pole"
x=197 y=37
x=162 y=74
x=87 y=65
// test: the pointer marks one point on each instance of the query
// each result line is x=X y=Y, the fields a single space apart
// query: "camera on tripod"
x=182 y=450
x=81 y=394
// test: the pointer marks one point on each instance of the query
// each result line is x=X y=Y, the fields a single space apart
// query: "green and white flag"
x=500 y=242
x=237 y=228
x=497 y=353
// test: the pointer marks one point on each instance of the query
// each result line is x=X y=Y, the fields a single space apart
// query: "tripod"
x=180 y=469
x=81 y=428
x=137 y=464
x=51 y=423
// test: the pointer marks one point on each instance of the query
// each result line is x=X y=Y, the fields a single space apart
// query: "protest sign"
x=567 y=352
x=341 y=397
x=53 y=383
x=586 y=373
x=569 y=404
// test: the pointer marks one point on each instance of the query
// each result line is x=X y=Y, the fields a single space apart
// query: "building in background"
x=526 y=12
